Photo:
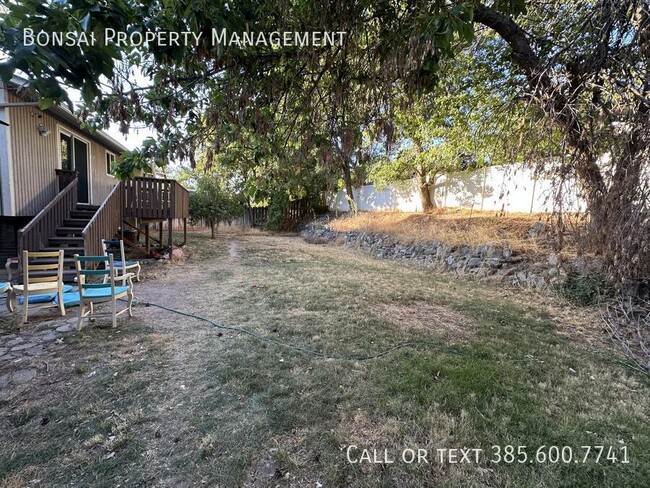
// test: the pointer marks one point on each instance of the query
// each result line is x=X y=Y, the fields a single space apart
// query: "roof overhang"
x=64 y=115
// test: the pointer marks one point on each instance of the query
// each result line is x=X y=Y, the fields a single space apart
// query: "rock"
x=507 y=253
x=14 y=342
x=537 y=230
x=553 y=259
x=537 y=282
x=22 y=347
x=49 y=337
x=3 y=351
x=465 y=251
x=4 y=380
x=23 y=376
x=493 y=263
x=494 y=252
x=66 y=328
x=522 y=277
x=474 y=262
x=36 y=351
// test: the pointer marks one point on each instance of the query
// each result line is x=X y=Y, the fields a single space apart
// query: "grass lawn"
x=169 y=401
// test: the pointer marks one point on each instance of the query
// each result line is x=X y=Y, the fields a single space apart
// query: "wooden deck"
x=155 y=199
x=138 y=201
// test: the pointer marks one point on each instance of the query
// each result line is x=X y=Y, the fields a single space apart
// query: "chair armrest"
x=124 y=277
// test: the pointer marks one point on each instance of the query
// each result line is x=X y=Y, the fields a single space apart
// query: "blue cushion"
x=128 y=263
x=4 y=287
x=103 y=292
x=44 y=297
x=70 y=299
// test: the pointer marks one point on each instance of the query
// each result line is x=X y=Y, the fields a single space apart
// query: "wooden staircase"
x=69 y=237
x=79 y=228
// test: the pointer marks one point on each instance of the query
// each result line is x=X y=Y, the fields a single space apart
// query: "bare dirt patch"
x=426 y=317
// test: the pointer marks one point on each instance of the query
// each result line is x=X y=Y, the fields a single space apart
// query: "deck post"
x=170 y=241
x=184 y=231
x=160 y=229
x=147 y=243
x=122 y=203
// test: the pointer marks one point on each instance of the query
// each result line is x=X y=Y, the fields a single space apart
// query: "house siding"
x=35 y=159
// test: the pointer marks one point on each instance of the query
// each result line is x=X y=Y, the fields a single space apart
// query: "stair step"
x=86 y=206
x=68 y=231
x=68 y=274
x=70 y=241
x=82 y=214
x=67 y=251
x=75 y=223
x=67 y=262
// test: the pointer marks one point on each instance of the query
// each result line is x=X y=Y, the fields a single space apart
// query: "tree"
x=583 y=64
x=211 y=203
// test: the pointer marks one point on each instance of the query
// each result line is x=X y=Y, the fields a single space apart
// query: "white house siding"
x=35 y=159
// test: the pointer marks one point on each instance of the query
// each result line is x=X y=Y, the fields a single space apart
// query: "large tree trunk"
x=555 y=105
x=212 y=231
x=617 y=205
x=347 y=179
x=425 y=195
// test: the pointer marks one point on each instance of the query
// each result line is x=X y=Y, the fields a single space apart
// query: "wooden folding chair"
x=92 y=293
x=39 y=279
x=122 y=266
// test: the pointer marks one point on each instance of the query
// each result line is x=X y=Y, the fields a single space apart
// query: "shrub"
x=585 y=289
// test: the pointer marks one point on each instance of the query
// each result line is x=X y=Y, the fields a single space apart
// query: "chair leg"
x=61 y=305
x=137 y=274
x=25 y=308
x=130 y=302
x=114 y=307
x=11 y=301
x=82 y=310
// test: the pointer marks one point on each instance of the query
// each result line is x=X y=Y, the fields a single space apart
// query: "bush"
x=585 y=289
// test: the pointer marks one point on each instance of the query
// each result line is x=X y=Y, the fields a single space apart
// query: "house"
x=56 y=187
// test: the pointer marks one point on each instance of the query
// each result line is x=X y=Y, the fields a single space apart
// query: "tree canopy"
x=577 y=68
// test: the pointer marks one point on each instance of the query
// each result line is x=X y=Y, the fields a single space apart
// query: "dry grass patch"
x=425 y=317
x=451 y=226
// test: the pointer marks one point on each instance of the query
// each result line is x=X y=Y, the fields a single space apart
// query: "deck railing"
x=65 y=176
x=105 y=222
x=35 y=235
x=155 y=198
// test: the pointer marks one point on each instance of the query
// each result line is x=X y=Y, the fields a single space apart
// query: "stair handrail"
x=38 y=231
x=105 y=223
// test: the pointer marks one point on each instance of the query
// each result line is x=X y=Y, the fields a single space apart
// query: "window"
x=65 y=148
x=110 y=161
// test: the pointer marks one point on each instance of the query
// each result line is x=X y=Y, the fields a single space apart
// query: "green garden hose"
x=304 y=350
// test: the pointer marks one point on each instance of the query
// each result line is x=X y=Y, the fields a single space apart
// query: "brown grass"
x=451 y=226
x=426 y=317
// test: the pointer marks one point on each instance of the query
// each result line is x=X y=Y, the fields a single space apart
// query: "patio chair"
x=108 y=292
x=116 y=248
x=5 y=287
x=38 y=290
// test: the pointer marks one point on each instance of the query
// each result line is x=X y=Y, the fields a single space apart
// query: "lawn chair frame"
x=86 y=301
x=115 y=246
x=40 y=283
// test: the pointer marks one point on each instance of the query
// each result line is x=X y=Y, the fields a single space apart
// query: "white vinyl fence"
x=510 y=188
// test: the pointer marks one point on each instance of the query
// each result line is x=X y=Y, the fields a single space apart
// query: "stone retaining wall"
x=488 y=260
